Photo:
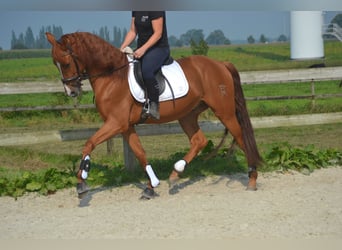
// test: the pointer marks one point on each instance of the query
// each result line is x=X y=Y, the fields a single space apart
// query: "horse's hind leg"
x=197 y=140
x=235 y=129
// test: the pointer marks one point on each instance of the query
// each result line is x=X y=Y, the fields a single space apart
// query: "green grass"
x=27 y=69
x=289 y=89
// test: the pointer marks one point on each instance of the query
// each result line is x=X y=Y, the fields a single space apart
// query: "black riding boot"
x=153 y=110
x=153 y=96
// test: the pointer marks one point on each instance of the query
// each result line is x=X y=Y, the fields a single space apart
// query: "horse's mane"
x=92 y=48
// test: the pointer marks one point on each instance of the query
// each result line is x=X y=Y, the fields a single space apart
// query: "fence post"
x=129 y=157
x=110 y=146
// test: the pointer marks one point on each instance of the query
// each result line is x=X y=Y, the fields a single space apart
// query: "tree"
x=338 y=20
x=250 y=39
x=28 y=41
x=117 y=37
x=14 y=39
x=282 y=38
x=199 y=49
x=263 y=39
x=217 y=37
x=194 y=34
x=19 y=46
x=57 y=31
x=19 y=43
x=104 y=33
x=41 y=41
x=174 y=41
x=29 y=38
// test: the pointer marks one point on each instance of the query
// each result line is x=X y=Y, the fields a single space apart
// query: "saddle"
x=160 y=77
x=170 y=73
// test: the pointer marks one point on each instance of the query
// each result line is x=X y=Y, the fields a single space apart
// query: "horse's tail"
x=252 y=154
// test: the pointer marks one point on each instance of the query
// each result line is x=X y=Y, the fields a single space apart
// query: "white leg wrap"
x=153 y=178
x=180 y=165
x=84 y=173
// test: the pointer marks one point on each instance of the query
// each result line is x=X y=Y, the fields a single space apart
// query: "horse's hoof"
x=173 y=181
x=148 y=194
x=173 y=185
x=82 y=189
x=251 y=188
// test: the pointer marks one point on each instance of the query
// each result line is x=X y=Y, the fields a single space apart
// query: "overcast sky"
x=236 y=25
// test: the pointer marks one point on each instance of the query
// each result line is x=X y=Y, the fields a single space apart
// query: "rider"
x=152 y=49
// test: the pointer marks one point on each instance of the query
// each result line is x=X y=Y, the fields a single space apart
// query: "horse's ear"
x=50 y=38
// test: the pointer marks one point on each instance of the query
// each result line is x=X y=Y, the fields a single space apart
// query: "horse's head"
x=68 y=63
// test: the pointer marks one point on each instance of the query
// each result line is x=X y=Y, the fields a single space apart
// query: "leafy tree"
x=250 y=39
x=337 y=19
x=282 y=38
x=263 y=39
x=194 y=34
x=217 y=37
x=174 y=41
x=199 y=49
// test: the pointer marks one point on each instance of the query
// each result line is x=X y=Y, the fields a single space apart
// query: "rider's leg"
x=151 y=63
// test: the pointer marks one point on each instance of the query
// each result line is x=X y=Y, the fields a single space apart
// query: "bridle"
x=77 y=78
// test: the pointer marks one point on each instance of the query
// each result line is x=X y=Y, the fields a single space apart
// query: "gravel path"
x=286 y=206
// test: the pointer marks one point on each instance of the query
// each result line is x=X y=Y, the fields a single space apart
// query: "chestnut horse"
x=212 y=84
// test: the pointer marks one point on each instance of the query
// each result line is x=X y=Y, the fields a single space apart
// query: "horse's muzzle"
x=72 y=91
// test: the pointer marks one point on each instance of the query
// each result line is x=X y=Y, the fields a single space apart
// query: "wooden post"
x=129 y=157
x=110 y=146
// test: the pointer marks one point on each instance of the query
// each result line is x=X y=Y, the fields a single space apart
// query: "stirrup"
x=153 y=110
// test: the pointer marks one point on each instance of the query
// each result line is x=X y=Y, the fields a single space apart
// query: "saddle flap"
x=138 y=73
x=159 y=75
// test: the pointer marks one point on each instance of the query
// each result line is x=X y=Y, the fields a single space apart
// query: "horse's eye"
x=65 y=66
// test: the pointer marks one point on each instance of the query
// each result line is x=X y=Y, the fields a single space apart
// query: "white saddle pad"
x=173 y=73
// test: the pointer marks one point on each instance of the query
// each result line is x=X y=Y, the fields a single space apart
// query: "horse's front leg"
x=134 y=142
x=104 y=133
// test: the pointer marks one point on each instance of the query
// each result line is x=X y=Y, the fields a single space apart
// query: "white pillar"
x=306 y=35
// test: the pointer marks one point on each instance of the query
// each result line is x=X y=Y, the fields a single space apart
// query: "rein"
x=108 y=72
